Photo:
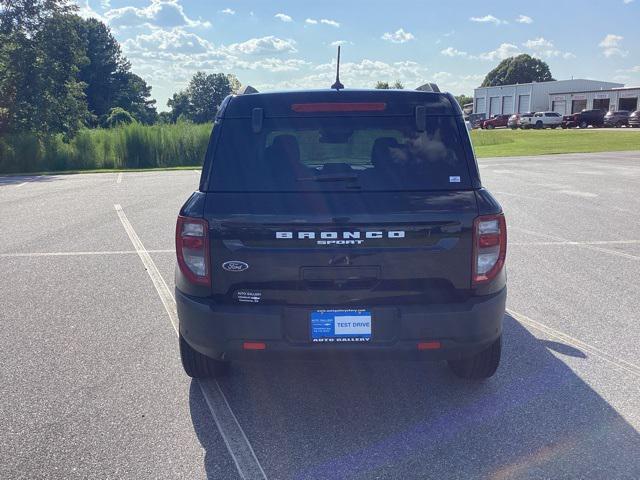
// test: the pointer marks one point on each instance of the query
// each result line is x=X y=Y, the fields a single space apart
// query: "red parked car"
x=496 y=121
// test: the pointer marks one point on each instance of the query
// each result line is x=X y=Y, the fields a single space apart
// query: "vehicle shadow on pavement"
x=17 y=180
x=372 y=419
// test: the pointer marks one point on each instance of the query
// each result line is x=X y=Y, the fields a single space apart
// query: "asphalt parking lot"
x=92 y=385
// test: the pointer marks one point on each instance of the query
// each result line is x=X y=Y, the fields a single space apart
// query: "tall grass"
x=127 y=146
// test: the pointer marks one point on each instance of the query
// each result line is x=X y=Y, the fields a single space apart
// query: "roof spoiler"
x=429 y=87
x=247 y=90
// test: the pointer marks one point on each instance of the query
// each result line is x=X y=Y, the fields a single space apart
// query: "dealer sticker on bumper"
x=340 y=326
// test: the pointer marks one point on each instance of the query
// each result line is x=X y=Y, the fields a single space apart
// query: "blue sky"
x=291 y=44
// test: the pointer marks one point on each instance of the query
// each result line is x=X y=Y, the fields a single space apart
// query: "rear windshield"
x=339 y=153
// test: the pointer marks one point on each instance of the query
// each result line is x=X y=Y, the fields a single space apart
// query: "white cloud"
x=368 y=72
x=278 y=64
x=635 y=69
x=488 y=19
x=544 y=48
x=324 y=21
x=524 y=19
x=399 y=36
x=611 y=40
x=160 y=13
x=338 y=43
x=105 y=4
x=441 y=76
x=627 y=2
x=539 y=42
x=284 y=17
x=453 y=52
x=166 y=44
x=505 y=50
x=610 y=45
x=329 y=22
x=85 y=11
x=268 y=45
x=228 y=11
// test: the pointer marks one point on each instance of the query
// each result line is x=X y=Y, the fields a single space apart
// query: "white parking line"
x=76 y=254
x=580 y=244
x=232 y=433
x=579 y=344
x=596 y=242
x=119 y=179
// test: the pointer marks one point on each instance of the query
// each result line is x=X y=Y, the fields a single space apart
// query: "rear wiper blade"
x=349 y=177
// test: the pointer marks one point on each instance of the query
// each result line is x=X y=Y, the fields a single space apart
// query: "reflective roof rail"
x=429 y=87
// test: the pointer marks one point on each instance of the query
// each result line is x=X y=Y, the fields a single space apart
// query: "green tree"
x=463 y=100
x=104 y=62
x=107 y=74
x=180 y=106
x=29 y=15
x=40 y=55
x=398 y=85
x=520 y=69
x=199 y=101
x=134 y=95
x=118 y=116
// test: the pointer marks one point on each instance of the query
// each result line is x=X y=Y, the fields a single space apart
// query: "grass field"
x=511 y=143
x=128 y=147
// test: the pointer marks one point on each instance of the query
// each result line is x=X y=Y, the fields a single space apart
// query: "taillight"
x=489 y=247
x=192 y=249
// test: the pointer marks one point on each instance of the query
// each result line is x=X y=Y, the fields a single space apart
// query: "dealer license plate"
x=340 y=326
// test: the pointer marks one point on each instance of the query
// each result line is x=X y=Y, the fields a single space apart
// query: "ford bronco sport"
x=339 y=222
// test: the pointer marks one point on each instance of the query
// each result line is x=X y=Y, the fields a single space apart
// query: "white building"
x=609 y=99
x=533 y=97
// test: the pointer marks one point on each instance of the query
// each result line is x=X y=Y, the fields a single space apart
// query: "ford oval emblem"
x=235 y=266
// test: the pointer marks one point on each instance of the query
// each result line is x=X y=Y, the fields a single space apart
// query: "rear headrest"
x=380 y=154
x=287 y=145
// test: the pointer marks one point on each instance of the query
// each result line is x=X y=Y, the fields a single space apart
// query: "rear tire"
x=481 y=365
x=539 y=125
x=197 y=365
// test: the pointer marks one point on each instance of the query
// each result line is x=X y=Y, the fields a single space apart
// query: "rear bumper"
x=462 y=329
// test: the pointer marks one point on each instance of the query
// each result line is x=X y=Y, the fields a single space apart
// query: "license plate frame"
x=341 y=326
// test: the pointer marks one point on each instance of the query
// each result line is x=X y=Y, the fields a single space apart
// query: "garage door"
x=578 y=105
x=630 y=104
x=559 y=106
x=481 y=106
x=523 y=103
x=494 y=106
x=601 y=104
x=507 y=104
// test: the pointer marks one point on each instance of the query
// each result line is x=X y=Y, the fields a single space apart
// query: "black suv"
x=617 y=119
x=339 y=222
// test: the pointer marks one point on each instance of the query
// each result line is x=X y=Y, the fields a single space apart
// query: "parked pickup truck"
x=518 y=120
x=496 y=121
x=331 y=223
